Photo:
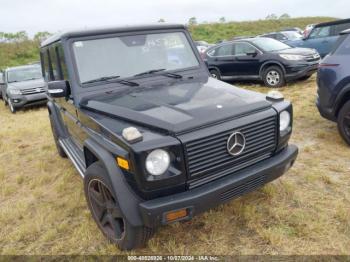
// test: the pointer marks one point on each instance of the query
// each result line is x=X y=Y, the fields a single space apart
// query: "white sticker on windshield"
x=78 y=44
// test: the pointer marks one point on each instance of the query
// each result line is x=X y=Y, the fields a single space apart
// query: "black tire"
x=215 y=74
x=105 y=210
x=344 y=122
x=55 y=138
x=273 y=77
x=12 y=108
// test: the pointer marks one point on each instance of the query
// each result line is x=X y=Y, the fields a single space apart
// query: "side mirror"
x=253 y=54
x=58 y=88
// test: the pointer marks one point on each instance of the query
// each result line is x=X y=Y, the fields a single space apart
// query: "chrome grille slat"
x=34 y=90
x=208 y=159
x=218 y=136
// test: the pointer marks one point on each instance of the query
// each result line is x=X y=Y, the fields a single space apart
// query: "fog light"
x=176 y=215
x=15 y=100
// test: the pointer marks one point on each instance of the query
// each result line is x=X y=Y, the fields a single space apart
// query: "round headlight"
x=157 y=162
x=284 y=120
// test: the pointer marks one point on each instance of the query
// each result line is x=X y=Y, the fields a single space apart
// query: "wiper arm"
x=172 y=75
x=150 y=72
x=126 y=82
x=101 y=79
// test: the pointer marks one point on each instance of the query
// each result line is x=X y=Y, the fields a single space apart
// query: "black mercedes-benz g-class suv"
x=154 y=137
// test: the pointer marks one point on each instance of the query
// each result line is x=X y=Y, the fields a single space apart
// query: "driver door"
x=247 y=60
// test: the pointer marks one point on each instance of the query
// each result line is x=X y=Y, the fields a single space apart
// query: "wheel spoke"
x=97 y=198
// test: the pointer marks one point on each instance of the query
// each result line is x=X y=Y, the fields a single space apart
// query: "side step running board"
x=73 y=154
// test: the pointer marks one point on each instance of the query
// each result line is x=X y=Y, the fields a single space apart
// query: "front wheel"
x=344 y=122
x=273 y=77
x=215 y=74
x=107 y=214
x=11 y=106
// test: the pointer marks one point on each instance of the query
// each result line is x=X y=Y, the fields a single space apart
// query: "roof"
x=108 y=30
x=21 y=67
x=335 y=22
x=345 y=32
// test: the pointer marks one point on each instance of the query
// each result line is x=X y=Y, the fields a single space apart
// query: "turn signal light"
x=176 y=215
x=123 y=163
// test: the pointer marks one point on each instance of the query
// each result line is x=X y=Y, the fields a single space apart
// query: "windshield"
x=128 y=56
x=269 y=44
x=24 y=74
x=292 y=35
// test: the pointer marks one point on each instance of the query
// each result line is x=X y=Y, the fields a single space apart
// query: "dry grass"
x=307 y=211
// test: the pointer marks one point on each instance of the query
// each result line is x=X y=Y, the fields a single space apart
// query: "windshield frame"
x=22 y=69
x=72 y=40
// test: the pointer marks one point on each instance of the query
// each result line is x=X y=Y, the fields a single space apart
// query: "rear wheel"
x=107 y=214
x=215 y=74
x=273 y=77
x=344 y=122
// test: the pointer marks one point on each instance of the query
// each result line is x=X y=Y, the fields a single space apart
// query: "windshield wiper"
x=101 y=79
x=150 y=72
x=126 y=82
x=172 y=75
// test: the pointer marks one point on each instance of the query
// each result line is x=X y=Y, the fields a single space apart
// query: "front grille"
x=208 y=159
x=312 y=58
x=34 y=90
x=244 y=188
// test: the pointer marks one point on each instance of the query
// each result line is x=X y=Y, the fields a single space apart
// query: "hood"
x=178 y=107
x=297 y=51
x=27 y=84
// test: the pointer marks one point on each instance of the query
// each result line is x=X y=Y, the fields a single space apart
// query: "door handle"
x=324 y=42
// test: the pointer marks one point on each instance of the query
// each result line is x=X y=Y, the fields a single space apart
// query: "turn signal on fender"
x=123 y=163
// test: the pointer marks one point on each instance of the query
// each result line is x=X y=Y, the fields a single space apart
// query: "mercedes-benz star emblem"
x=236 y=143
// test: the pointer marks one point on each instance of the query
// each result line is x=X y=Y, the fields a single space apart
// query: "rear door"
x=247 y=62
x=222 y=58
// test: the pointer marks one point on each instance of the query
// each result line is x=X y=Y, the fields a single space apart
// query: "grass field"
x=307 y=211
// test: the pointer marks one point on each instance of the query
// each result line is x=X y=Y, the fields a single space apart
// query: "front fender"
x=127 y=199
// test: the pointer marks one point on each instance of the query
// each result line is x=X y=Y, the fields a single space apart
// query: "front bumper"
x=298 y=71
x=19 y=101
x=210 y=195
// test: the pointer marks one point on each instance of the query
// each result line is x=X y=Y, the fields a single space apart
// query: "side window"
x=243 y=49
x=343 y=46
x=54 y=64
x=45 y=64
x=340 y=28
x=320 y=32
x=224 y=50
x=62 y=62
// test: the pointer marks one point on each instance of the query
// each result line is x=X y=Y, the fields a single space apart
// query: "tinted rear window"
x=342 y=46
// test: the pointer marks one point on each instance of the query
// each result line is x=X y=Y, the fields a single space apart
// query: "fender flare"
x=127 y=199
x=271 y=62
x=339 y=99
x=55 y=116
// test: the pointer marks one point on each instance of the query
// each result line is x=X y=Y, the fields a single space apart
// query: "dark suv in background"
x=333 y=81
x=261 y=58
x=23 y=86
x=154 y=137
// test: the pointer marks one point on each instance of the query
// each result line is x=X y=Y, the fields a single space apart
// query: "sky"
x=59 y=15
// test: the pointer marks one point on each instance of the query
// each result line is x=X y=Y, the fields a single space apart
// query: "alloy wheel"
x=105 y=210
x=273 y=78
